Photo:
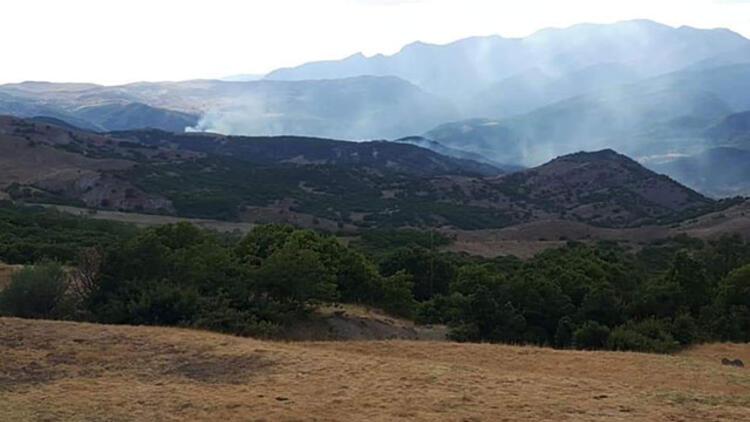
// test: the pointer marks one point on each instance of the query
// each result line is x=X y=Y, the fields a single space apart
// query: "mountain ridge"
x=374 y=184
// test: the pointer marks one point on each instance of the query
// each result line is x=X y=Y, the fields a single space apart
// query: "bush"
x=397 y=297
x=591 y=336
x=220 y=314
x=38 y=291
x=624 y=339
x=650 y=335
x=564 y=332
x=685 y=330
x=163 y=303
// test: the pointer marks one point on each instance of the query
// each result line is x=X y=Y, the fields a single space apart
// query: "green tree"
x=733 y=306
x=397 y=295
x=591 y=336
x=37 y=291
x=298 y=276
x=432 y=272
x=695 y=288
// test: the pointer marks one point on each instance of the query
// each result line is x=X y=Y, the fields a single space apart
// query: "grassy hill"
x=77 y=372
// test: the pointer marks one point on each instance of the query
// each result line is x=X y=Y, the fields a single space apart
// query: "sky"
x=119 y=41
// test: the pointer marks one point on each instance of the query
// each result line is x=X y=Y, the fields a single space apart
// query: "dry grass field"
x=59 y=371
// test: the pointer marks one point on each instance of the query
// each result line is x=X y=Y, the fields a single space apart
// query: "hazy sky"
x=116 y=41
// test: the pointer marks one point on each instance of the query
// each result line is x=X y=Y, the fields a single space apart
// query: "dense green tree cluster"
x=33 y=234
x=182 y=275
x=590 y=296
x=603 y=297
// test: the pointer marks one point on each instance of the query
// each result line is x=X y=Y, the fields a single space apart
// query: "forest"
x=656 y=297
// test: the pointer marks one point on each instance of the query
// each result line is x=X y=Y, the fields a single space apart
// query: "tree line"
x=656 y=298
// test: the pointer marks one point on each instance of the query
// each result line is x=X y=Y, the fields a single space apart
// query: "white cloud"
x=119 y=41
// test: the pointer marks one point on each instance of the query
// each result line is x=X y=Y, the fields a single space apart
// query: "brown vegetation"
x=70 y=371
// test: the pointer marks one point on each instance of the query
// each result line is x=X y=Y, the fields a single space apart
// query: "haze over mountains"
x=651 y=91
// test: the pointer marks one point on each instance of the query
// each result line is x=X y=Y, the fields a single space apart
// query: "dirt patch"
x=351 y=322
x=13 y=377
x=212 y=369
x=32 y=356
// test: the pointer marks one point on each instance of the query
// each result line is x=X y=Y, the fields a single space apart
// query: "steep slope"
x=535 y=88
x=116 y=116
x=349 y=184
x=354 y=108
x=719 y=172
x=605 y=188
x=638 y=119
x=473 y=63
x=732 y=130
x=455 y=152
x=76 y=371
x=42 y=162
x=729 y=83
x=279 y=150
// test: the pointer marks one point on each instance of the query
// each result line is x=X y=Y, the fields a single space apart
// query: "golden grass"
x=87 y=372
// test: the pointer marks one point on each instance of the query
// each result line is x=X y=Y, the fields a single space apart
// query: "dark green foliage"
x=397 y=295
x=298 y=275
x=670 y=294
x=601 y=297
x=37 y=291
x=432 y=272
x=591 y=336
x=732 y=306
x=649 y=335
x=564 y=333
x=33 y=234
x=182 y=275
x=376 y=242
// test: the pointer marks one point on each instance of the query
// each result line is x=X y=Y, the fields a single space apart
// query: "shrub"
x=591 y=336
x=38 y=291
x=650 y=335
x=397 y=297
x=623 y=339
x=564 y=332
x=220 y=314
x=162 y=303
x=685 y=330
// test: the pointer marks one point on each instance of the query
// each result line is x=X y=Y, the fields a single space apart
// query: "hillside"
x=602 y=188
x=720 y=172
x=607 y=188
x=470 y=65
x=732 y=130
x=336 y=183
x=71 y=371
x=640 y=120
x=135 y=115
x=355 y=108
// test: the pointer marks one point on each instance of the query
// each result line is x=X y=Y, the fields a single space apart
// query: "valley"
x=549 y=225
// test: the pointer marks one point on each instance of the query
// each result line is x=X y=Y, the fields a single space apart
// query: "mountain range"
x=325 y=183
x=654 y=92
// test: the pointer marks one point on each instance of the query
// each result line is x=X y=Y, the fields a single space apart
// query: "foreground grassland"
x=86 y=372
